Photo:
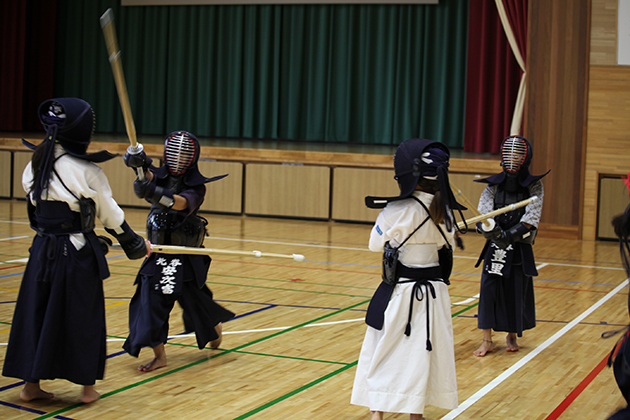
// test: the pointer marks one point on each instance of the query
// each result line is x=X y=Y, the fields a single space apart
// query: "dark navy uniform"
x=506 y=301
x=164 y=279
x=58 y=328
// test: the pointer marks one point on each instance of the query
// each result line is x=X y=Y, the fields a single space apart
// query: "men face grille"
x=513 y=154
x=179 y=153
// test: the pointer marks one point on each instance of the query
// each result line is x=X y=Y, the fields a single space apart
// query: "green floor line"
x=116 y=391
x=300 y=325
x=168 y=343
x=290 y=394
x=465 y=309
x=175 y=370
x=238 y=350
x=295 y=391
x=304 y=359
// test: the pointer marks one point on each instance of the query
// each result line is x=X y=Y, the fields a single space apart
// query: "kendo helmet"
x=70 y=122
x=421 y=158
x=72 y=119
x=181 y=151
x=418 y=158
x=516 y=153
x=516 y=156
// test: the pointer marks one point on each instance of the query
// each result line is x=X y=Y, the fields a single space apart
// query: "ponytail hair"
x=436 y=209
x=37 y=162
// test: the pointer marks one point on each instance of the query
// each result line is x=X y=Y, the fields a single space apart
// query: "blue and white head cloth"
x=70 y=123
x=421 y=158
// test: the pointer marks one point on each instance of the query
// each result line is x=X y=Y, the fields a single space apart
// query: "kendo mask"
x=181 y=152
x=516 y=153
x=516 y=156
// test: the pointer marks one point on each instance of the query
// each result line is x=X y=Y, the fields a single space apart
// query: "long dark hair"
x=40 y=155
x=436 y=209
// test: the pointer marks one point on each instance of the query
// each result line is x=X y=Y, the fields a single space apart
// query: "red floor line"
x=577 y=391
x=12 y=266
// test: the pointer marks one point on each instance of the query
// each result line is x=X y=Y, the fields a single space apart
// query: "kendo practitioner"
x=175 y=190
x=407 y=359
x=619 y=358
x=58 y=328
x=506 y=300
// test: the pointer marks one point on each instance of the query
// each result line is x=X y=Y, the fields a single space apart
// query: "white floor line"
x=586 y=266
x=20 y=260
x=14 y=237
x=495 y=382
x=467 y=301
x=319 y=324
x=539 y=266
x=218 y=238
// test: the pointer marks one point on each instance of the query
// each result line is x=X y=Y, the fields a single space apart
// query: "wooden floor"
x=292 y=350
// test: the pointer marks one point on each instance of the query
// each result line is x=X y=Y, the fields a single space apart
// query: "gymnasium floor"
x=291 y=351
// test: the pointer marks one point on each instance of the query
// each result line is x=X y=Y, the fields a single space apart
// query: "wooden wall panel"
x=555 y=112
x=608 y=146
x=352 y=185
x=301 y=190
x=224 y=195
x=287 y=190
x=470 y=190
x=121 y=179
x=5 y=174
x=613 y=201
x=603 y=33
x=20 y=160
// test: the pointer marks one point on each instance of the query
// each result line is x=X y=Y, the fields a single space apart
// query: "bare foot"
x=415 y=417
x=511 y=342
x=486 y=347
x=89 y=394
x=32 y=391
x=156 y=363
x=216 y=343
x=377 y=415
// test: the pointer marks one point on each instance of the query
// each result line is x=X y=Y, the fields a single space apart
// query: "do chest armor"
x=505 y=197
x=173 y=227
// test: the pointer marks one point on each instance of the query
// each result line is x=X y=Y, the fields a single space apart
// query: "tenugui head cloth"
x=69 y=122
x=421 y=158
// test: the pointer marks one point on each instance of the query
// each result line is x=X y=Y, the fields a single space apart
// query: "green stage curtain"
x=372 y=74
